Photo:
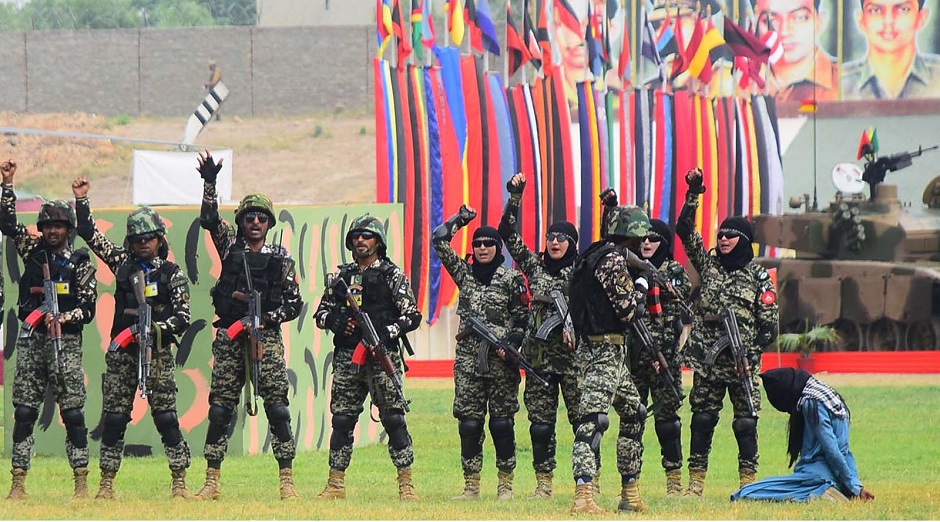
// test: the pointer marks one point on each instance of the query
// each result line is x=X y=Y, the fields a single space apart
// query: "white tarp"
x=170 y=178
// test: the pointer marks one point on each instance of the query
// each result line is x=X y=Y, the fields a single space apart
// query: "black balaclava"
x=664 y=251
x=742 y=253
x=784 y=386
x=555 y=266
x=484 y=272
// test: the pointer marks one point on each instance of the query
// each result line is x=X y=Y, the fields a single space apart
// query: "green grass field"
x=895 y=437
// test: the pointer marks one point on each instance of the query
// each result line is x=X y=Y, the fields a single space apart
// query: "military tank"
x=867 y=266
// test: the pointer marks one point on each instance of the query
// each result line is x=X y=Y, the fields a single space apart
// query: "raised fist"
x=694 y=180
x=516 y=184
x=608 y=197
x=80 y=187
x=208 y=168
x=465 y=215
x=8 y=169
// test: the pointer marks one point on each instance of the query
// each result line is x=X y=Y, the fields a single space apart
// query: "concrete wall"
x=294 y=13
x=151 y=72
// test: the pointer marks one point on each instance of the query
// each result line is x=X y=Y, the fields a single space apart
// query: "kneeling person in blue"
x=818 y=443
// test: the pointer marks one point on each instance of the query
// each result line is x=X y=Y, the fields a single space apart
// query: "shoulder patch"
x=763 y=275
x=768 y=298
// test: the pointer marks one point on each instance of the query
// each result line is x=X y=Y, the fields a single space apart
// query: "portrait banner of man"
x=889 y=52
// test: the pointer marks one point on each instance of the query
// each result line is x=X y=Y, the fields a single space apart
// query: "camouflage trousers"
x=632 y=419
x=120 y=391
x=541 y=402
x=228 y=380
x=707 y=396
x=664 y=405
x=496 y=392
x=34 y=372
x=602 y=366
x=348 y=393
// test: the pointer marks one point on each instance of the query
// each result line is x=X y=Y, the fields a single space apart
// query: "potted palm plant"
x=806 y=343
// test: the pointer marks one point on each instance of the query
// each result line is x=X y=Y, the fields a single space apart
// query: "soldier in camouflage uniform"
x=665 y=329
x=273 y=276
x=383 y=291
x=603 y=301
x=554 y=358
x=730 y=277
x=36 y=366
x=495 y=295
x=167 y=289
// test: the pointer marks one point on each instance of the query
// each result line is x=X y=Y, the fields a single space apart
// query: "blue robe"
x=825 y=461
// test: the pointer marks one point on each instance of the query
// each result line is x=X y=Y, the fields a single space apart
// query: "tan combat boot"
x=696 y=482
x=504 y=487
x=106 y=488
x=406 y=488
x=471 y=487
x=747 y=476
x=596 y=485
x=543 y=485
x=584 y=501
x=212 y=489
x=674 y=482
x=18 y=487
x=80 y=476
x=178 y=485
x=630 y=498
x=335 y=486
x=287 y=484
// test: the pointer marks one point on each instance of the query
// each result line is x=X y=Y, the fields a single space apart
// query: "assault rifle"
x=876 y=168
x=50 y=305
x=251 y=323
x=490 y=339
x=140 y=331
x=732 y=338
x=371 y=344
x=560 y=317
x=641 y=330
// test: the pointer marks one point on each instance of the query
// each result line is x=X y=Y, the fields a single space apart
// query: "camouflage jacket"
x=748 y=291
x=86 y=294
x=115 y=256
x=551 y=355
x=502 y=305
x=409 y=316
x=666 y=327
x=224 y=235
x=613 y=274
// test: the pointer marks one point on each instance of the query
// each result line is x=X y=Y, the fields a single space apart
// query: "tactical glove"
x=609 y=197
x=695 y=182
x=766 y=335
x=515 y=189
x=336 y=323
x=209 y=170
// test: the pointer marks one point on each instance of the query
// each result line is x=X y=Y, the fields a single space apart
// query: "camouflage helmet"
x=255 y=202
x=627 y=222
x=58 y=210
x=369 y=223
x=144 y=220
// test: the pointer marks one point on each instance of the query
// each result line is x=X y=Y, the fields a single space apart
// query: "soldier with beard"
x=383 y=291
x=36 y=366
x=554 y=358
x=729 y=278
x=272 y=275
x=146 y=250
x=604 y=300
x=495 y=295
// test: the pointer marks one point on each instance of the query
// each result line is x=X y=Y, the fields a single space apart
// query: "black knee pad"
x=75 y=430
x=471 y=430
x=168 y=425
x=703 y=428
x=669 y=433
x=641 y=413
x=24 y=419
x=504 y=436
x=219 y=419
x=279 y=421
x=343 y=426
x=397 y=429
x=115 y=424
x=745 y=431
x=541 y=433
x=601 y=423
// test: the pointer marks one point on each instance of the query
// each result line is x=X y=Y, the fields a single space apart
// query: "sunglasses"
x=364 y=234
x=487 y=243
x=261 y=217
x=726 y=234
x=653 y=238
x=561 y=237
x=143 y=238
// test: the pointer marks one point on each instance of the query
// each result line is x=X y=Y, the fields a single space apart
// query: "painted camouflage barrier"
x=312 y=234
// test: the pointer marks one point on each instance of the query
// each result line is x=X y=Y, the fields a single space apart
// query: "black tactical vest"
x=59 y=272
x=377 y=298
x=124 y=298
x=267 y=277
x=591 y=309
